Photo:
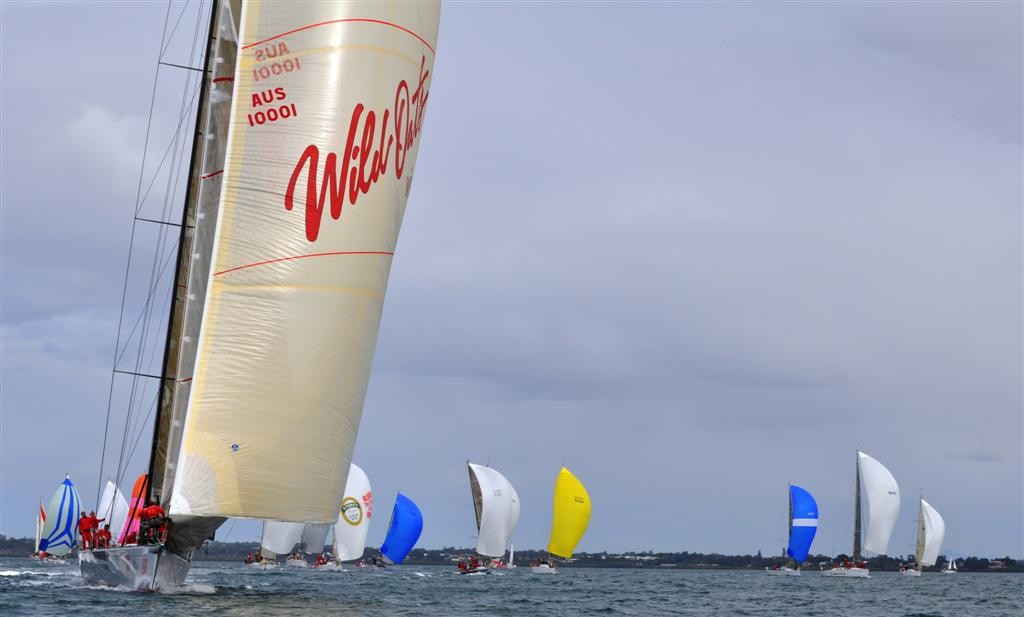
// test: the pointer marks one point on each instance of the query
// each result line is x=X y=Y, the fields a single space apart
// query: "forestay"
x=324 y=131
x=883 y=503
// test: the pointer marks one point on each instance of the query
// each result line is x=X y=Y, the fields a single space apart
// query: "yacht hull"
x=847 y=572
x=782 y=572
x=138 y=568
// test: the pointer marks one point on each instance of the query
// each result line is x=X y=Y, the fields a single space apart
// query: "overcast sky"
x=691 y=251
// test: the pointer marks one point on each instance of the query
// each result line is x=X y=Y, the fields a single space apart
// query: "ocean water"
x=228 y=589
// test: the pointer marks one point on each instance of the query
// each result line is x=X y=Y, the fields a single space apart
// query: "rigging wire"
x=158 y=269
x=131 y=244
x=139 y=388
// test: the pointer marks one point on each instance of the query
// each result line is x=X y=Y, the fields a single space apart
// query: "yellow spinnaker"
x=572 y=513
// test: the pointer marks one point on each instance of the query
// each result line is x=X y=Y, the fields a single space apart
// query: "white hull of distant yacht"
x=297 y=563
x=783 y=571
x=329 y=567
x=949 y=571
x=262 y=565
x=853 y=572
x=138 y=568
x=544 y=569
x=911 y=572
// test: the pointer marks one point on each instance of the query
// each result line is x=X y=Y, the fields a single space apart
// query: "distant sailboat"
x=353 y=523
x=950 y=566
x=931 y=531
x=803 y=524
x=59 y=535
x=569 y=520
x=496 y=505
x=883 y=508
x=278 y=538
x=40 y=521
x=403 y=531
x=303 y=110
x=113 y=509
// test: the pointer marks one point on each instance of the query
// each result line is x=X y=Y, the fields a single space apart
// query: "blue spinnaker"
x=60 y=532
x=804 y=523
x=404 y=531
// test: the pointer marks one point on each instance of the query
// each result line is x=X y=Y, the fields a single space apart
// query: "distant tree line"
x=236 y=551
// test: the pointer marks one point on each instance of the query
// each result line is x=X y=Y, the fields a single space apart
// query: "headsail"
x=326 y=119
x=354 y=516
x=113 y=508
x=883 y=503
x=803 y=524
x=314 y=538
x=40 y=521
x=404 y=530
x=135 y=506
x=571 y=514
x=933 y=528
x=279 y=537
x=60 y=531
x=497 y=509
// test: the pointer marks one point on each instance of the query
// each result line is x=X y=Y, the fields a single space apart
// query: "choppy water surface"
x=229 y=589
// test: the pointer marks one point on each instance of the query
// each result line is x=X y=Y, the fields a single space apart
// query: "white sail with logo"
x=931 y=533
x=496 y=505
x=354 y=516
x=324 y=130
x=883 y=503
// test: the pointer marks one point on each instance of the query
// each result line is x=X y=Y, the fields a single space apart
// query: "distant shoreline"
x=648 y=560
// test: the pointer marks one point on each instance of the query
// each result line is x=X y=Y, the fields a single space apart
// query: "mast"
x=856 y=515
x=919 y=550
x=789 y=521
x=165 y=401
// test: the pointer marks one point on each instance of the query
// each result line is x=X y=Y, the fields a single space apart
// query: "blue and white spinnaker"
x=803 y=523
x=60 y=532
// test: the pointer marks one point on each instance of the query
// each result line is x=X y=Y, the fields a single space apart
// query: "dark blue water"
x=229 y=589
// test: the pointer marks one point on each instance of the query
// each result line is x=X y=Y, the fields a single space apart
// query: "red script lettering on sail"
x=365 y=158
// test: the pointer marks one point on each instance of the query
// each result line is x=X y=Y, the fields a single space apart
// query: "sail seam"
x=339 y=21
x=293 y=257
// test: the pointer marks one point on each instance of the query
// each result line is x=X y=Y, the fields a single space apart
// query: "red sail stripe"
x=211 y=174
x=271 y=261
x=338 y=21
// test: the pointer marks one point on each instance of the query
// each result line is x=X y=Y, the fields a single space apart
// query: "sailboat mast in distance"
x=856 y=514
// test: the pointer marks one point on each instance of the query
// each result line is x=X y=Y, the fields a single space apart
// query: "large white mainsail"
x=323 y=138
x=353 y=516
x=496 y=505
x=883 y=503
x=931 y=533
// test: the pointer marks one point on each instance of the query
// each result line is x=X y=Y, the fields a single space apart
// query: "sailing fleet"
x=275 y=313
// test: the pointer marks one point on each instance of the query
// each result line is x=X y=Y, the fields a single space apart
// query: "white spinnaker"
x=280 y=537
x=934 y=534
x=513 y=517
x=114 y=508
x=354 y=516
x=494 y=499
x=324 y=131
x=314 y=538
x=883 y=503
